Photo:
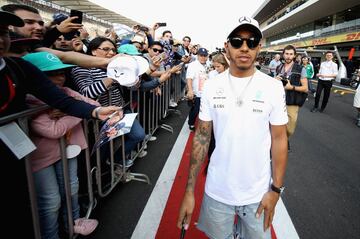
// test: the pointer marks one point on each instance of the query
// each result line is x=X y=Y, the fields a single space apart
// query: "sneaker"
x=313 y=110
x=149 y=137
x=321 y=110
x=358 y=123
x=142 y=154
x=152 y=138
x=192 y=127
x=84 y=226
x=128 y=163
x=172 y=103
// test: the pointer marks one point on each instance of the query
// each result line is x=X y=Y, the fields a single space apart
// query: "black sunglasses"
x=157 y=50
x=237 y=42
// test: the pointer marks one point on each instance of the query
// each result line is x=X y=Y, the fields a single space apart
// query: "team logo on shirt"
x=219 y=92
x=258 y=97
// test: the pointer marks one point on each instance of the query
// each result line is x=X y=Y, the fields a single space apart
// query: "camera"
x=161 y=24
x=284 y=79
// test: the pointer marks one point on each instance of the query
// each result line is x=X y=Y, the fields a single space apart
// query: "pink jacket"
x=46 y=132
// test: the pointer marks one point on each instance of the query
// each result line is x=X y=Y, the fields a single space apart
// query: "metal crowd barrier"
x=153 y=110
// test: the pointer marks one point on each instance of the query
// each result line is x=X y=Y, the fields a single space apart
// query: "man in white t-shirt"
x=246 y=109
x=196 y=76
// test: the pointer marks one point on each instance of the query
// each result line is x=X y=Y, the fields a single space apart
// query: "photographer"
x=293 y=77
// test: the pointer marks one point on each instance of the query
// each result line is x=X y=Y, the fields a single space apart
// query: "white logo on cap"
x=51 y=57
x=244 y=19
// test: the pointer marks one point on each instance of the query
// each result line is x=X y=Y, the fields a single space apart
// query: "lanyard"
x=11 y=88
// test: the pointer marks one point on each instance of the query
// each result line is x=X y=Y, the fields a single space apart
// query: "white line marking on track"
x=282 y=224
x=150 y=219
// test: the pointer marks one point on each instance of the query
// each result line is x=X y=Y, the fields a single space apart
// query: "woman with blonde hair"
x=220 y=64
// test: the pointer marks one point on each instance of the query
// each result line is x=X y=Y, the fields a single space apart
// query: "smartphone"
x=144 y=29
x=78 y=14
x=161 y=24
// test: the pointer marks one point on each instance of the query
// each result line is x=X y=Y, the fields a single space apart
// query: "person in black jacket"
x=18 y=78
x=294 y=80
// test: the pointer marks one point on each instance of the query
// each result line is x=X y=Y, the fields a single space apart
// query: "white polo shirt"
x=328 y=68
x=239 y=172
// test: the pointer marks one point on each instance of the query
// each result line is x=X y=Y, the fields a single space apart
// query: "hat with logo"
x=247 y=23
x=46 y=61
x=129 y=49
x=203 y=52
x=8 y=18
x=126 y=69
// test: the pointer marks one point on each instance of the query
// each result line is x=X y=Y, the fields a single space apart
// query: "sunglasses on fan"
x=237 y=42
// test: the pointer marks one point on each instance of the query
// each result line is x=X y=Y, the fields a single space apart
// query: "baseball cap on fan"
x=8 y=18
x=247 y=23
x=126 y=69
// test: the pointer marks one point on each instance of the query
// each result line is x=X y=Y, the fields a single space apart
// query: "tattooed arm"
x=199 y=150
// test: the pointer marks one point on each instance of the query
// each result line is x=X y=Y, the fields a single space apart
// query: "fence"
x=100 y=176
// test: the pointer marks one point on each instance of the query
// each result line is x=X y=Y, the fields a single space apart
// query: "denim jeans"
x=49 y=184
x=194 y=111
x=135 y=136
x=217 y=220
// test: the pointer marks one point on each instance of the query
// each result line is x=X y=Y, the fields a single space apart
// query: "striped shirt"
x=90 y=84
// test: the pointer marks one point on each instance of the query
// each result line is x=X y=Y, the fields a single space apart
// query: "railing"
x=153 y=111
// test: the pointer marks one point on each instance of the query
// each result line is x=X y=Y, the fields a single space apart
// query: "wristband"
x=293 y=87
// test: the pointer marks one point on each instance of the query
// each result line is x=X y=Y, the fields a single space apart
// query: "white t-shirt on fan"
x=197 y=72
x=239 y=172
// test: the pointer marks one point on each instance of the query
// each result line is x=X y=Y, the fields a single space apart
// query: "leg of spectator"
x=327 y=90
x=194 y=111
x=49 y=201
x=292 y=111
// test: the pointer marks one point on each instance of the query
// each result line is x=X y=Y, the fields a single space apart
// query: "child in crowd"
x=46 y=130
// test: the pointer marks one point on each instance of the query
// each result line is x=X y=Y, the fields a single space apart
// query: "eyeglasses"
x=107 y=49
x=157 y=50
x=237 y=42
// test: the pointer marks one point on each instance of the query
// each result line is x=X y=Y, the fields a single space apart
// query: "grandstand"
x=96 y=18
x=311 y=24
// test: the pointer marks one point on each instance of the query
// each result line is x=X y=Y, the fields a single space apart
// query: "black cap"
x=8 y=18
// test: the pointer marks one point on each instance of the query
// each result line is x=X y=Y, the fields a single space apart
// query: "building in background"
x=312 y=25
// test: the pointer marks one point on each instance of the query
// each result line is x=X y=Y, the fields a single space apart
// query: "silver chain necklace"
x=239 y=100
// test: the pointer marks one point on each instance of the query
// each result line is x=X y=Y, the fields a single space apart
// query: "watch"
x=277 y=190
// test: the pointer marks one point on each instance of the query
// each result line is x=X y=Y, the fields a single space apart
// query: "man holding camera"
x=293 y=77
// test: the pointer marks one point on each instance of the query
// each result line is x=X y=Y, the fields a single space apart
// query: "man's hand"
x=164 y=76
x=186 y=210
x=267 y=204
x=175 y=69
x=190 y=95
x=102 y=113
x=67 y=25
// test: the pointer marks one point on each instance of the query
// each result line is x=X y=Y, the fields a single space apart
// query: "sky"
x=206 y=22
